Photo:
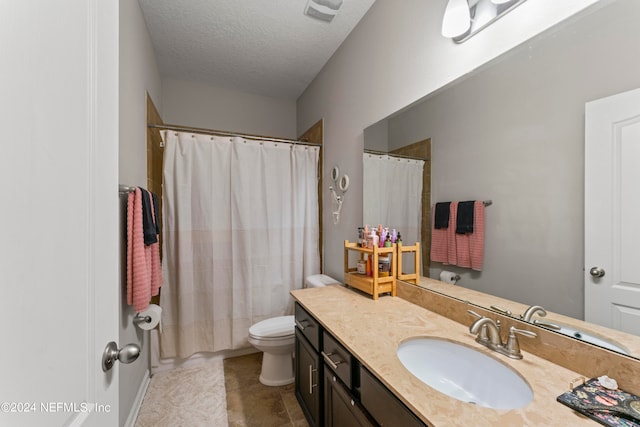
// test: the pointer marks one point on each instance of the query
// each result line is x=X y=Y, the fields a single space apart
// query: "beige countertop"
x=372 y=330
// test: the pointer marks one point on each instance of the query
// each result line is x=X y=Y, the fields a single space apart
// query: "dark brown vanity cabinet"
x=332 y=387
x=341 y=409
x=383 y=406
x=341 y=406
x=308 y=367
x=308 y=379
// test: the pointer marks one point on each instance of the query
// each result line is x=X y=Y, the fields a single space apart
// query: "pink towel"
x=463 y=250
x=143 y=262
x=439 y=247
x=476 y=239
x=452 y=251
x=470 y=246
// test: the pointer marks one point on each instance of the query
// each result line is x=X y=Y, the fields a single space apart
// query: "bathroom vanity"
x=334 y=388
x=348 y=371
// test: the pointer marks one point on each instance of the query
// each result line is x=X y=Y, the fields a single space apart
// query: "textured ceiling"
x=265 y=47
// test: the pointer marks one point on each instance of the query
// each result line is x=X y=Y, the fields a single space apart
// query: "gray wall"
x=195 y=104
x=514 y=133
x=138 y=75
x=394 y=57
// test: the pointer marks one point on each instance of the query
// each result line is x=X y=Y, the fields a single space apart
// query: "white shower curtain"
x=240 y=232
x=392 y=194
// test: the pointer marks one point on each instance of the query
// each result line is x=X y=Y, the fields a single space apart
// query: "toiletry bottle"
x=383 y=238
x=399 y=239
x=387 y=243
x=394 y=236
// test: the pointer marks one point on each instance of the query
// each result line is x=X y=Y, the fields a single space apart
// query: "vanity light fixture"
x=457 y=18
x=324 y=10
x=464 y=18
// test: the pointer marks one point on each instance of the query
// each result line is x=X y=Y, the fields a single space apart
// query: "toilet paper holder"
x=449 y=277
x=148 y=319
x=141 y=319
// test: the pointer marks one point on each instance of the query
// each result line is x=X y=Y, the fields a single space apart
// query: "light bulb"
x=457 y=18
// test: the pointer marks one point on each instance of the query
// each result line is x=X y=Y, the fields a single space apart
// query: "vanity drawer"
x=383 y=406
x=337 y=358
x=309 y=326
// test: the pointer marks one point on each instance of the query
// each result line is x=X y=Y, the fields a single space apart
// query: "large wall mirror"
x=513 y=132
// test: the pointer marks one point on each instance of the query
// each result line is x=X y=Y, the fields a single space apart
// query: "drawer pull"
x=311 y=384
x=301 y=326
x=330 y=362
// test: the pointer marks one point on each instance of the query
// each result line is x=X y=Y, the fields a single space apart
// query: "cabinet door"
x=340 y=409
x=308 y=377
x=383 y=406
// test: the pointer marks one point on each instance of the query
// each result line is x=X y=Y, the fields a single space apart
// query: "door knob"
x=596 y=271
x=126 y=354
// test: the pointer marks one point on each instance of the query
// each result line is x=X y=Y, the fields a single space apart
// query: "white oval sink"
x=590 y=338
x=464 y=373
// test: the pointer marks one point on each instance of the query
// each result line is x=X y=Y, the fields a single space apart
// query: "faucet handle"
x=501 y=310
x=513 y=346
x=523 y=332
x=474 y=314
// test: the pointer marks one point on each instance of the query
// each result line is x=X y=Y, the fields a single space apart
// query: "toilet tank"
x=319 y=280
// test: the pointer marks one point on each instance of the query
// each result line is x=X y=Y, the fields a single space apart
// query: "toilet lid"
x=275 y=327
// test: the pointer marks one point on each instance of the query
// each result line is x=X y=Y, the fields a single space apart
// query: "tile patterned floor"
x=194 y=397
x=252 y=404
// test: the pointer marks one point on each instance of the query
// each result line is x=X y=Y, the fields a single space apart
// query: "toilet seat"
x=275 y=328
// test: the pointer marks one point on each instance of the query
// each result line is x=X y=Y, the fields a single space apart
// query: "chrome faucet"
x=488 y=334
x=529 y=312
x=483 y=325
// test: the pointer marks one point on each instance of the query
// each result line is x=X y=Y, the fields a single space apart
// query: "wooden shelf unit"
x=412 y=277
x=372 y=285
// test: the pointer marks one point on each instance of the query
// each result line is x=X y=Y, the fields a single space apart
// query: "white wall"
x=138 y=75
x=394 y=57
x=199 y=105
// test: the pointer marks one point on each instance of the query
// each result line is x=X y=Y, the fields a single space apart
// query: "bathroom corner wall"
x=139 y=75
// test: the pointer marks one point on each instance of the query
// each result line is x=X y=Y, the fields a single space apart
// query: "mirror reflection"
x=514 y=132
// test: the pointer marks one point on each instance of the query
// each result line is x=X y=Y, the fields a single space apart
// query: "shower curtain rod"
x=223 y=133
x=384 y=153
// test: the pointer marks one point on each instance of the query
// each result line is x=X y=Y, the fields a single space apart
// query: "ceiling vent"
x=324 y=10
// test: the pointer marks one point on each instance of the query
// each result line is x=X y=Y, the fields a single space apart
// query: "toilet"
x=275 y=337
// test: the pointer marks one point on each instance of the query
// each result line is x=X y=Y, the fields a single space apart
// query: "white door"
x=612 y=212
x=58 y=212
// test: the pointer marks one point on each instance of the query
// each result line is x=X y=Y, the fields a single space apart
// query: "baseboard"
x=137 y=403
x=169 y=364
